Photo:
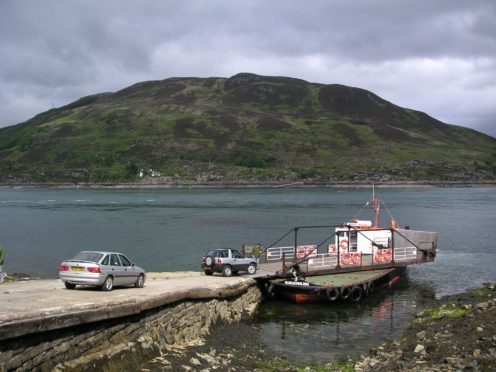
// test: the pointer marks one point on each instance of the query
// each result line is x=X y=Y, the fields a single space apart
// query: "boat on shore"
x=358 y=258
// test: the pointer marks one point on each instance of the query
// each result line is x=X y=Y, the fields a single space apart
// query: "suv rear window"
x=212 y=253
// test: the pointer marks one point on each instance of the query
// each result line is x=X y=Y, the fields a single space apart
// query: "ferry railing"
x=293 y=260
x=277 y=253
x=322 y=261
x=382 y=254
x=402 y=254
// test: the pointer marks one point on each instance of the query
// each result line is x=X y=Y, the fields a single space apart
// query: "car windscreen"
x=87 y=256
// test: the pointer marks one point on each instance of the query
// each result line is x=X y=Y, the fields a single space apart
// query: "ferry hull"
x=350 y=288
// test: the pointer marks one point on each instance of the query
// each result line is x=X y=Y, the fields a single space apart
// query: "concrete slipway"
x=33 y=306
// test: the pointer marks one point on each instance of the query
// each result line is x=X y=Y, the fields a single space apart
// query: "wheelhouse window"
x=353 y=241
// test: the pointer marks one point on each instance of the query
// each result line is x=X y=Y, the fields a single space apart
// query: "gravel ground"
x=457 y=335
x=229 y=348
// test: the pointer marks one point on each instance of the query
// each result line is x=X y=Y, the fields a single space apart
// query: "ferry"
x=359 y=258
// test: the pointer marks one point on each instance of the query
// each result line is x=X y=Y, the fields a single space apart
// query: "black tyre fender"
x=227 y=270
x=140 y=282
x=345 y=292
x=269 y=290
x=370 y=288
x=209 y=272
x=356 y=294
x=332 y=293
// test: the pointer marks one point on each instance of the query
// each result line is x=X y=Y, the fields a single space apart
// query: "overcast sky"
x=436 y=56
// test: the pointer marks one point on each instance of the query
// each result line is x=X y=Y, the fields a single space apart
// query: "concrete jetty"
x=41 y=305
x=177 y=306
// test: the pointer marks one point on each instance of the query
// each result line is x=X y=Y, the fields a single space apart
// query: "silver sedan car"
x=103 y=269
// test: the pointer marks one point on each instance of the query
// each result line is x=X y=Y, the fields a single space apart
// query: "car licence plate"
x=74 y=268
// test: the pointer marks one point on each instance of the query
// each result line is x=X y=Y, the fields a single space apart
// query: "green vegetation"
x=247 y=128
x=449 y=310
x=278 y=364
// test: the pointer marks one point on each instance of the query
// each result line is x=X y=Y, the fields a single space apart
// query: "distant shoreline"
x=261 y=185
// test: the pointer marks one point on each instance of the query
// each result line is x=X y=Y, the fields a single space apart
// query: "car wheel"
x=209 y=261
x=70 y=285
x=108 y=284
x=252 y=269
x=227 y=271
x=140 y=283
x=208 y=272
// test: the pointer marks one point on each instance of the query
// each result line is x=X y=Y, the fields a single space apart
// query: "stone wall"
x=127 y=340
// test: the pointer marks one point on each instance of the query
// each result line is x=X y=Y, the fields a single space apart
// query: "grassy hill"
x=246 y=128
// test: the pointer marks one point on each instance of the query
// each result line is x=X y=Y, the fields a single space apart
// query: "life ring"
x=356 y=294
x=343 y=244
x=345 y=259
x=345 y=292
x=355 y=258
x=387 y=255
x=332 y=293
x=378 y=256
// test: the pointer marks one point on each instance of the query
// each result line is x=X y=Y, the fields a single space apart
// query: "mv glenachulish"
x=362 y=257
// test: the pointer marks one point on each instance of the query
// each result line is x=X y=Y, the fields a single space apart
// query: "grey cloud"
x=56 y=51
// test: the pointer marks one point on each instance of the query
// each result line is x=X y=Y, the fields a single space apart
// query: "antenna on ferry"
x=376 y=204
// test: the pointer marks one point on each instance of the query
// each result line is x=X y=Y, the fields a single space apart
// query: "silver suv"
x=228 y=262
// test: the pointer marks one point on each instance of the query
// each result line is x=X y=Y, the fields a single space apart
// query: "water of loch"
x=169 y=230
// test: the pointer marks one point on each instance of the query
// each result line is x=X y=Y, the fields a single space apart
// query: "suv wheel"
x=252 y=269
x=227 y=270
x=208 y=272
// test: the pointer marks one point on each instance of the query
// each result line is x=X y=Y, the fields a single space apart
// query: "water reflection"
x=323 y=333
